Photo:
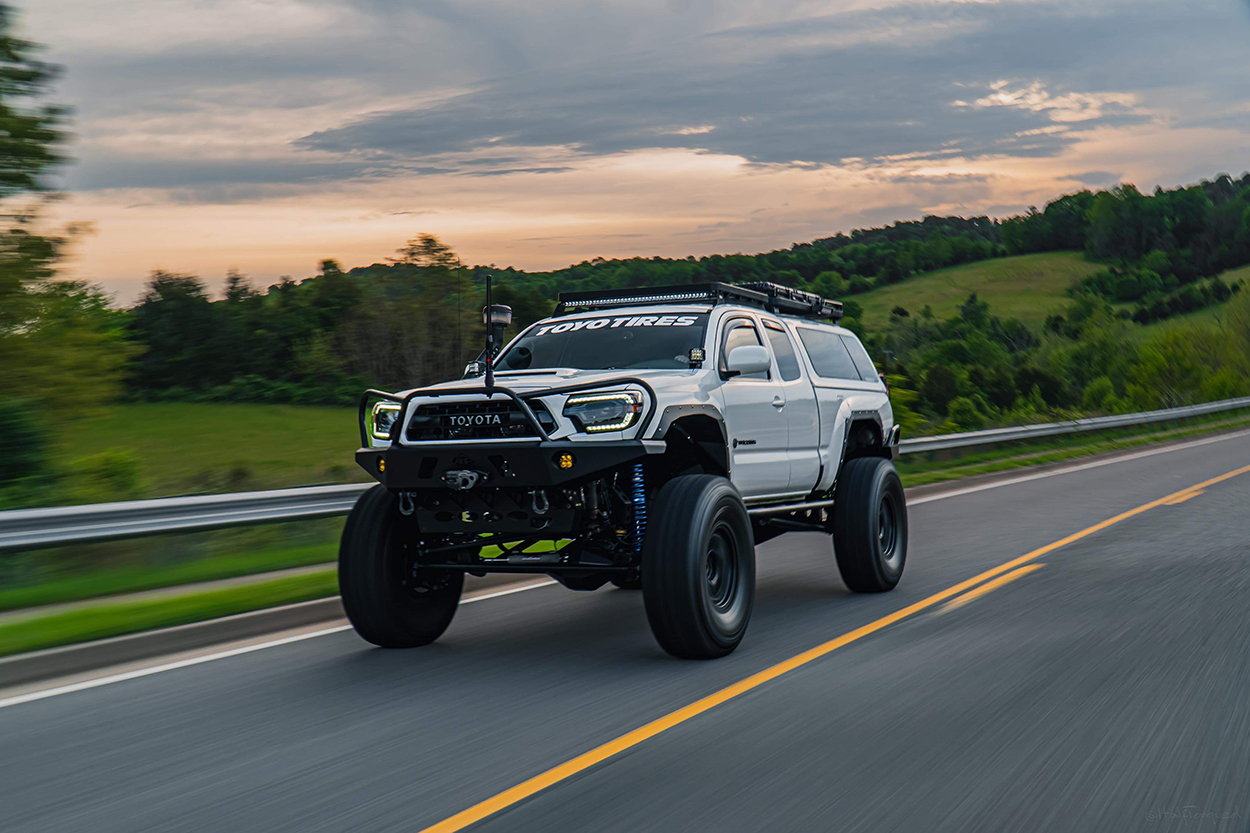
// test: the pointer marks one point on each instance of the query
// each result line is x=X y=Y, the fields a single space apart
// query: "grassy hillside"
x=194 y=447
x=1028 y=287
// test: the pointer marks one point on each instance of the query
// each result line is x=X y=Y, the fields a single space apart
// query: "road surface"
x=1102 y=684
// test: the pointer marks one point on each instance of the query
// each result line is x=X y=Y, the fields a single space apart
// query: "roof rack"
x=774 y=297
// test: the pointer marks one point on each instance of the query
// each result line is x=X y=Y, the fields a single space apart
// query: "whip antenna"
x=496 y=317
x=490 y=336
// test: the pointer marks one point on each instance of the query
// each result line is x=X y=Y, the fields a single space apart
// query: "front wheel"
x=870 y=525
x=698 y=567
x=390 y=603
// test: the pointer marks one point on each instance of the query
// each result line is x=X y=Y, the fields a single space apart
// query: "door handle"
x=778 y=402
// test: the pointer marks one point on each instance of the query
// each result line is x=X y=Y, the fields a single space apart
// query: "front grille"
x=481 y=420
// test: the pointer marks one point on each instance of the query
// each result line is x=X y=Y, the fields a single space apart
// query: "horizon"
x=544 y=136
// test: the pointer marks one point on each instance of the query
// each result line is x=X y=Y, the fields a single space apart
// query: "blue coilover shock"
x=638 y=494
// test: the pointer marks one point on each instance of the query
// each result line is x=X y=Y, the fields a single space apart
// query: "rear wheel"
x=870 y=525
x=390 y=603
x=698 y=567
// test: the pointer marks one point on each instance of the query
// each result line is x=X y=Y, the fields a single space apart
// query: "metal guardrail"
x=59 y=525
x=1049 y=429
x=56 y=526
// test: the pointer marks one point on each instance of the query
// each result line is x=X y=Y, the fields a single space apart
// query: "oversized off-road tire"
x=870 y=525
x=386 y=602
x=698 y=567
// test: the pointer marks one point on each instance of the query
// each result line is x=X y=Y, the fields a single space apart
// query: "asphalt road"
x=1107 y=690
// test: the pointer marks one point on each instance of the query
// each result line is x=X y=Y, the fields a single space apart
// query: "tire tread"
x=381 y=612
x=854 y=527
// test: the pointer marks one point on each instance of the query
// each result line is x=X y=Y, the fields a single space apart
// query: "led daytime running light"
x=378 y=408
x=633 y=407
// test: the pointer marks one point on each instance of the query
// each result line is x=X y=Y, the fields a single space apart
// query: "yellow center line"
x=989 y=587
x=582 y=762
x=1181 y=497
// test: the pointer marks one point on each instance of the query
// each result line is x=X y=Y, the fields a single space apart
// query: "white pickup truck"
x=649 y=438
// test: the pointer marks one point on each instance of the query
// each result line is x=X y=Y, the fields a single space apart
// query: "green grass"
x=1028 y=287
x=101 y=621
x=213 y=447
x=133 y=579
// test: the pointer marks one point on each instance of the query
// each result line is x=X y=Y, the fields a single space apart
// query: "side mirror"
x=747 y=359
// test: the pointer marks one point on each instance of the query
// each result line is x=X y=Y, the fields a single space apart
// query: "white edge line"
x=234 y=652
x=1069 y=469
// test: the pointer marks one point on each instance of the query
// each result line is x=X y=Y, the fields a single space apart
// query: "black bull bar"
x=512 y=463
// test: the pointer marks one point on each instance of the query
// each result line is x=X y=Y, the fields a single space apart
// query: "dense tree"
x=59 y=343
x=178 y=324
x=61 y=346
x=31 y=138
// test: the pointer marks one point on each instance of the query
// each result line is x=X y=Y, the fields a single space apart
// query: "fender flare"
x=672 y=413
x=850 y=418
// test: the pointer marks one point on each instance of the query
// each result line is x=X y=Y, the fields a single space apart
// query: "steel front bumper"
x=502 y=465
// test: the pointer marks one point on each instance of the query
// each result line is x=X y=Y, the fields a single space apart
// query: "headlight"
x=383 y=418
x=598 y=412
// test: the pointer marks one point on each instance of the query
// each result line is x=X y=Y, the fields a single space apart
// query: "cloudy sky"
x=269 y=134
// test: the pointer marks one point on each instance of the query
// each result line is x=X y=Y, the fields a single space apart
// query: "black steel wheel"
x=698 y=567
x=389 y=601
x=870 y=525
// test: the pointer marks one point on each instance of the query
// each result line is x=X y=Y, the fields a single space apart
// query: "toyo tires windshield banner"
x=609 y=342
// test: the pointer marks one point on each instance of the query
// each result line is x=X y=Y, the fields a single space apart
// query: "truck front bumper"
x=501 y=465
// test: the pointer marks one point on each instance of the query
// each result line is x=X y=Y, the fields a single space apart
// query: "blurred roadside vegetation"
x=66 y=574
x=134 y=615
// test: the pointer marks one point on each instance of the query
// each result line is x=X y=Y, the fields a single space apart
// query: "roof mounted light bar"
x=773 y=297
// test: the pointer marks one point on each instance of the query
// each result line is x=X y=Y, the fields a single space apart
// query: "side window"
x=783 y=351
x=740 y=333
x=859 y=355
x=829 y=357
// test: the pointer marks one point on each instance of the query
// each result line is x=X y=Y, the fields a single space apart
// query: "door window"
x=740 y=333
x=783 y=351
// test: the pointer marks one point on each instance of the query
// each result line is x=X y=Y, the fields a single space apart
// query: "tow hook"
x=541 y=505
x=462 y=479
x=406 y=504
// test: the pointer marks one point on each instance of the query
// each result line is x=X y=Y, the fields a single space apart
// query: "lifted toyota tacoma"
x=649 y=438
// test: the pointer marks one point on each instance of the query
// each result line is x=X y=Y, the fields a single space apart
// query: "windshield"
x=643 y=341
